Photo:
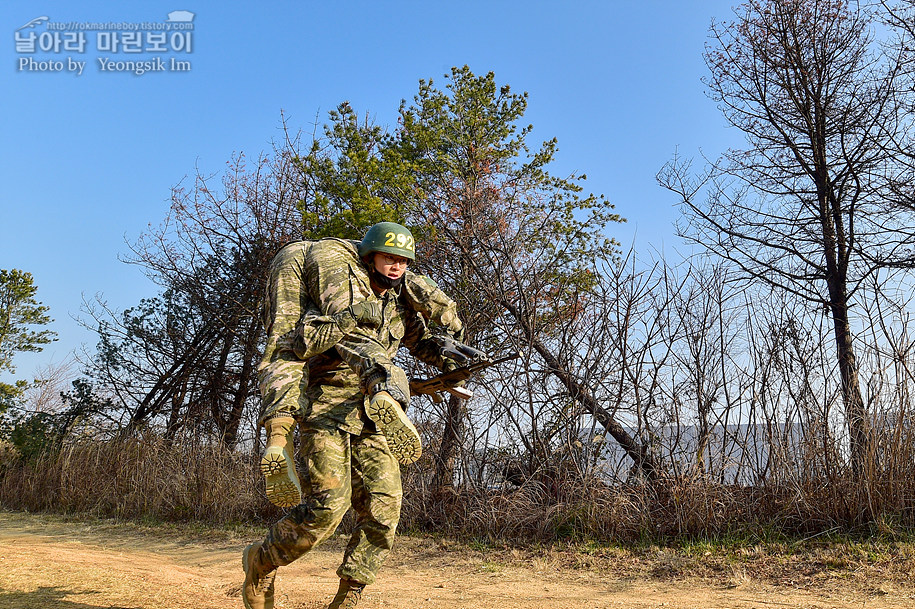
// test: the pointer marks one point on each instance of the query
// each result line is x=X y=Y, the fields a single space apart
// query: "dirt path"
x=50 y=563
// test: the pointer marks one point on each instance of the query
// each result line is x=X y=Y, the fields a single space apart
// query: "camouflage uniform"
x=347 y=460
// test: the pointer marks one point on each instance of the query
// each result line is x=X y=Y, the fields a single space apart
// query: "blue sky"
x=87 y=161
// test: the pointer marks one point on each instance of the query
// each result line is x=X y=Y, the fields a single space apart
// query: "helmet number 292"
x=404 y=242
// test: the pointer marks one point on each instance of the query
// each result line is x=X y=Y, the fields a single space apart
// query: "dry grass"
x=665 y=512
x=148 y=478
x=139 y=478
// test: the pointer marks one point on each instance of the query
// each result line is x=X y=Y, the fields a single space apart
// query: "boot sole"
x=400 y=433
x=282 y=483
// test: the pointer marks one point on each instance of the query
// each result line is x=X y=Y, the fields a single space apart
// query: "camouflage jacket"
x=310 y=284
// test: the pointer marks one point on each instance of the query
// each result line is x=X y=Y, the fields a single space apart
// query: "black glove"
x=458 y=351
x=392 y=380
x=366 y=312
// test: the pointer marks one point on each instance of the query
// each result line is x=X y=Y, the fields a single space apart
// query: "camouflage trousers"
x=343 y=470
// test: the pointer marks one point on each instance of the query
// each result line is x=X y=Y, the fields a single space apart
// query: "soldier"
x=346 y=307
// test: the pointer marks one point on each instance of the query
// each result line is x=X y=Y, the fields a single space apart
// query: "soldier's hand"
x=458 y=351
x=367 y=312
x=391 y=380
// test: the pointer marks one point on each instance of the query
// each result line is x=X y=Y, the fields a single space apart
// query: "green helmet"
x=390 y=238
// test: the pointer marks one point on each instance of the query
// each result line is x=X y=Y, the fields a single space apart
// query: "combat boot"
x=403 y=439
x=278 y=465
x=257 y=591
x=348 y=595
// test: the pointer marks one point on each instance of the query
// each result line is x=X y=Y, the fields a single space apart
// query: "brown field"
x=51 y=562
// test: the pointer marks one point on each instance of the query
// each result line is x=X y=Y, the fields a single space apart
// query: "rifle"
x=448 y=381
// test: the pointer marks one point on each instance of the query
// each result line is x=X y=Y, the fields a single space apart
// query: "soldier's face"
x=390 y=265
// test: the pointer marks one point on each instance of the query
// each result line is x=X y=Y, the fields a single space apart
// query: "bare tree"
x=804 y=207
x=187 y=358
x=51 y=380
x=523 y=245
x=516 y=246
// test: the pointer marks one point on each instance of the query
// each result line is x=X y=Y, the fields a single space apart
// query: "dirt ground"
x=49 y=562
